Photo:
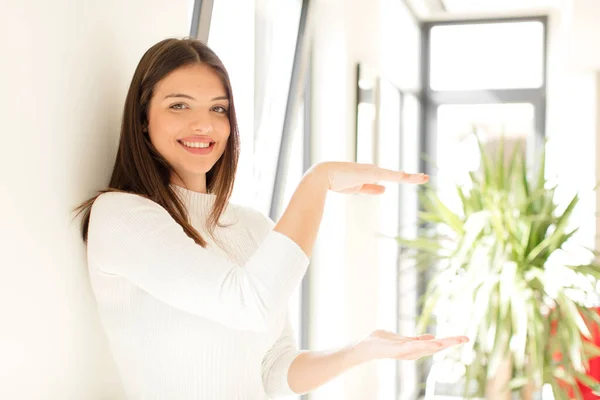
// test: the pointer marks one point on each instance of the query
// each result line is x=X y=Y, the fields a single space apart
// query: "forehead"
x=199 y=79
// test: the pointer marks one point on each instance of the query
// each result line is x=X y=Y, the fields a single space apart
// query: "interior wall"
x=571 y=122
x=584 y=33
x=66 y=69
x=341 y=273
x=345 y=276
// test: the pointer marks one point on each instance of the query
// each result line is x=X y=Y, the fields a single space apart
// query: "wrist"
x=318 y=176
x=358 y=353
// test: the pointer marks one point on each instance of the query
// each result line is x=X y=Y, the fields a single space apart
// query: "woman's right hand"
x=354 y=178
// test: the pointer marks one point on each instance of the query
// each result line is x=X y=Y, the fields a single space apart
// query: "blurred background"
x=405 y=84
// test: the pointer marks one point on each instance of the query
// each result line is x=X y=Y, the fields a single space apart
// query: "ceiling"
x=451 y=9
x=481 y=6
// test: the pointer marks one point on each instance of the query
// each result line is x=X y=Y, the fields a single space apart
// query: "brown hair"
x=139 y=168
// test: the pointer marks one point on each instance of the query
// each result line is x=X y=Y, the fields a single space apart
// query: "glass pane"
x=237 y=54
x=276 y=31
x=190 y=12
x=457 y=151
x=487 y=56
x=291 y=179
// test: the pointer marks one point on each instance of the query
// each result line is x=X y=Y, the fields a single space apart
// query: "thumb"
x=370 y=188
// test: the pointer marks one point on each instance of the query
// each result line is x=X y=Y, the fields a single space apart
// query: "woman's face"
x=189 y=106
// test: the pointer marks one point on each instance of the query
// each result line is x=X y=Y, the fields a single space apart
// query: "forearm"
x=312 y=369
x=302 y=217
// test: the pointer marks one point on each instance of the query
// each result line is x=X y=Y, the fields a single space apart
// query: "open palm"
x=384 y=344
x=357 y=178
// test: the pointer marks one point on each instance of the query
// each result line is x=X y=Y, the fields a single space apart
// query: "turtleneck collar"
x=197 y=203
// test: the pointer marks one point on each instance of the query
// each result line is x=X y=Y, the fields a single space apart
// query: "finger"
x=369 y=188
x=394 y=337
x=453 y=341
x=420 y=337
x=425 y=337
x=399 y=176
x=420 y=348
x=424 y=346
x=416 y=178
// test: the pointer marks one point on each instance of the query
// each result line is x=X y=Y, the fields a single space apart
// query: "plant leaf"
x=570 y=311
x=518 y=382
x=588 y=381
x=591 y=350
x=558 y=392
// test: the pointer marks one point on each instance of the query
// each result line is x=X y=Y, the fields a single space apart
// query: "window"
x=484 y=77
x=259 y=58
x=488 y=74
x=458 y=151
x=487 y=56
x=277 y=25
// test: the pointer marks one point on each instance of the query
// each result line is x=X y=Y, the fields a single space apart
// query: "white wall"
x=584 y=33
x=571 y=117
x=342 y=278
x=581 y=95
x=66 y=66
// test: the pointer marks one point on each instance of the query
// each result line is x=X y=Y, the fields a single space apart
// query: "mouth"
x=198 y=150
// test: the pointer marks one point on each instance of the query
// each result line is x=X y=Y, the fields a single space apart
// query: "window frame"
x=432 y=99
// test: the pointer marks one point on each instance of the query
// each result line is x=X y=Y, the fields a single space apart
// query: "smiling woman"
x=193 y=290
x=180 y=92
x=189 y=111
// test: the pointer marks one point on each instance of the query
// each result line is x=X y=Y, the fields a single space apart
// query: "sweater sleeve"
x=135 y=238
x=276 y=364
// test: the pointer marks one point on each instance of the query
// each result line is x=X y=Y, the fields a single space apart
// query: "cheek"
x=224 y=127
x=163 y=128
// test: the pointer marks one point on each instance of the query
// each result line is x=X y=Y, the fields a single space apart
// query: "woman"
x=192 y=290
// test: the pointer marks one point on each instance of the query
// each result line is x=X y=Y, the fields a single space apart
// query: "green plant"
x=494 y=261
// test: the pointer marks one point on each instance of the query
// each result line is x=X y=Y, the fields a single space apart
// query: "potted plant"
x=503 y=276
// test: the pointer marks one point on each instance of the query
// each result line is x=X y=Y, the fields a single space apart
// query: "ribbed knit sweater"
x=185 y=322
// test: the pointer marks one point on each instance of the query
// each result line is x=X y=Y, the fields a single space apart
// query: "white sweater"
x=188 y=323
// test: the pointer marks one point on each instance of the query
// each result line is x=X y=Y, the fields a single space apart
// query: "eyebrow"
x=185 y=96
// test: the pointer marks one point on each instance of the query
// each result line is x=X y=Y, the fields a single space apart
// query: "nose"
x=201 y=123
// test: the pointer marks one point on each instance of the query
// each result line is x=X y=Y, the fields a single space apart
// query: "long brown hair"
x=139 y=168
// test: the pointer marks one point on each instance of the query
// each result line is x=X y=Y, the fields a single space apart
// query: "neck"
x=195 y=185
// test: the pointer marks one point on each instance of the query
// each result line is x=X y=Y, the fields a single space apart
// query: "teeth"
x=201 y=145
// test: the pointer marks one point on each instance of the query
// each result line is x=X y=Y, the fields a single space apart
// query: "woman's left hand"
x=384 y=344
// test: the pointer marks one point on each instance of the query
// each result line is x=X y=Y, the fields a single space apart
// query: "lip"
x=196 y=139
x=198 y=151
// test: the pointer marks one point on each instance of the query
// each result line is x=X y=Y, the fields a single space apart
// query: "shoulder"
x=117 y=199
x=255 y=219
x=115 y=207
x=119 y=220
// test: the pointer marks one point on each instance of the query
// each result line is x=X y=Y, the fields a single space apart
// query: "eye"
x=220 y=109
x=178 y=106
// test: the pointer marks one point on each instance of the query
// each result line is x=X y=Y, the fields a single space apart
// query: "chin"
x=199 y=170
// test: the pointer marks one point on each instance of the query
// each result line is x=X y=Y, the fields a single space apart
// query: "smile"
x=198 y=150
